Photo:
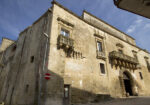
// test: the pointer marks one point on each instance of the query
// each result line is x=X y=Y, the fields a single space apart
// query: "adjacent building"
x=64 y=59
x=140 y=7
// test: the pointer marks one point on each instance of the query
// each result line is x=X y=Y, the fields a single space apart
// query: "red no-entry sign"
x=47 y=76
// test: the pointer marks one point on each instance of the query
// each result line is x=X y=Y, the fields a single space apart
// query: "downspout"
x=43 y=69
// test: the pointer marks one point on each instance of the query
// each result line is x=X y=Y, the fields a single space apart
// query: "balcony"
x=65 y=42
x=123 y=60
x=101 y=55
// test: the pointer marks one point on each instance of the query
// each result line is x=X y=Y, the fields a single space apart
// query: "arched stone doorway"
x=127 y=84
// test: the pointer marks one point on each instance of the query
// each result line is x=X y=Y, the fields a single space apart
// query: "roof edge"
x=106 y=23
x=7 y=39
x=49 y=10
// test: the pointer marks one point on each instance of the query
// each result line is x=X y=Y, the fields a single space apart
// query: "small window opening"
x=66 y=91
x=102 y=68
x=14 y=48
x=27 y=87
x=99 y=46
x=148 y=65
x=32 y=59
x=64 y=32
x=141 y=76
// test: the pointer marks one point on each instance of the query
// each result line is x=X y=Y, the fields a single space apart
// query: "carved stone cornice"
x=65 y=22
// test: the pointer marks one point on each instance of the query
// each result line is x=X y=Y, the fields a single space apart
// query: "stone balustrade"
x=101 y=55
x=66 y=42
x=123 y=60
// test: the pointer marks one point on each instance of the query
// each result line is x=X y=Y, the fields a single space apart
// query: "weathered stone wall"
x=20 y=76
x=37 y=52
x=83 y=73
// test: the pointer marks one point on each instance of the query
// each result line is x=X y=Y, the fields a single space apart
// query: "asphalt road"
x=126 y=101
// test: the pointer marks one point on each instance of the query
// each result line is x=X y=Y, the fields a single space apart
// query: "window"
x=66 y=91
x=102 y=68
x=99 y=46
x=141 y=75
x=100 y=49
x=32 y=59
x=64 y=32
x=14 y=48
x=148 y=65
x=147 y=62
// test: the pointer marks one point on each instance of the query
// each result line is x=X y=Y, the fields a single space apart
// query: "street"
x=125 y=101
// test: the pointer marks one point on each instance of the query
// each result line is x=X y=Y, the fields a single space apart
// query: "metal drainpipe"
x=40 y=87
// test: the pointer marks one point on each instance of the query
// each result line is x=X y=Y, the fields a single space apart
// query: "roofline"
x=9 y=45
x=49 y=10
x=7 y=39
x=107 y=24
x=55 y=2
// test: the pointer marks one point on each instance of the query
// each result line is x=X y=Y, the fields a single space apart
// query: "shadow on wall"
x=54 y=91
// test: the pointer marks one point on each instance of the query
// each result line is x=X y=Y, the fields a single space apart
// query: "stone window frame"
x=100 y=39
x=147 y=63
x=66 y=31
x=102 y=74
x=63 y=24
x=101 y=46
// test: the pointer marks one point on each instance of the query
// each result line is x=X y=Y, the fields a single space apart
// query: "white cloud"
x=138 y=20
x=147 y=26
x=131 y=29
x=140 y=30
x=135 y=25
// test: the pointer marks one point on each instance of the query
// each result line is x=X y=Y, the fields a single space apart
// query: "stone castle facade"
x=64 y=59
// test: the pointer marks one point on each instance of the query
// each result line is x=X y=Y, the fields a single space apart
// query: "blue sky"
x=16 y=15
